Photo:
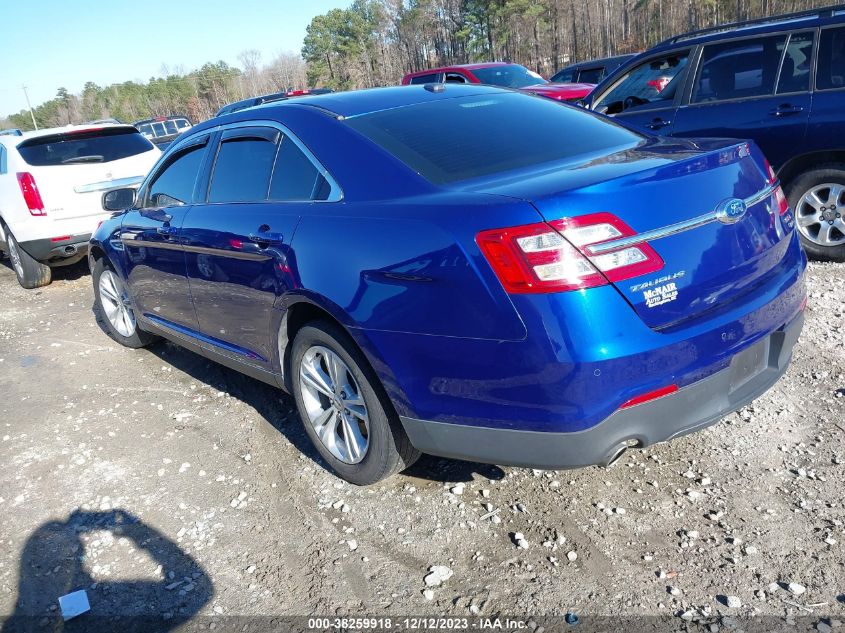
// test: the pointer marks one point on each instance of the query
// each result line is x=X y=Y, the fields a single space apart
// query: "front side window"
x=738 y=70
x=425 y=79
x=295 y=176
x=652 y=84
x=242 y=171
x=795 y=70
x=831 y=65
x=174 y=185
x=3 y=167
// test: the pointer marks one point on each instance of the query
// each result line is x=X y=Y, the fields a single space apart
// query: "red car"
x=500 y=74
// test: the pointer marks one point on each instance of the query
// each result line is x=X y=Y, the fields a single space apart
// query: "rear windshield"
x=457 y=139
x=91 y=146
x=509 y=76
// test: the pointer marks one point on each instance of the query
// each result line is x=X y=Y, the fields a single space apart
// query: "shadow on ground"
x=279 y=410
x=53 y=564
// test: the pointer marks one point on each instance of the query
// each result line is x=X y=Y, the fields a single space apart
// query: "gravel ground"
x=163 y=483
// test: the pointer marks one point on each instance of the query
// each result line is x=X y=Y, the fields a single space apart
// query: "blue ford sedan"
x=464 y=271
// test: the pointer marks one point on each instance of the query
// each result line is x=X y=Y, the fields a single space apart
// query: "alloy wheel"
x=819 y=214
x=334 y=404
x=116 y=304
x=15 y=256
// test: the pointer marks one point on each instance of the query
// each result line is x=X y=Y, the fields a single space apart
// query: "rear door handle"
x=264 y=237
x=658 y=123
x=785 y=109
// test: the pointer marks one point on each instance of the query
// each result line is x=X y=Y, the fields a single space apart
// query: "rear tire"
x=114 y=310
x=352 y=403
x=30 y=272
x=817 y=198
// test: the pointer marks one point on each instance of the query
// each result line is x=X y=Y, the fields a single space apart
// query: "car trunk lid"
x=670 y=194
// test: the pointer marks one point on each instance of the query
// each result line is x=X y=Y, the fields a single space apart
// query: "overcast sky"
x=47 y=44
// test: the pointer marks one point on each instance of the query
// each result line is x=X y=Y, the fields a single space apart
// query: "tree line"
x=198 y=93
x=375 y=42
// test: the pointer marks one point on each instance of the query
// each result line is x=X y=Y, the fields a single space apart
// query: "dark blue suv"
x=779 y=81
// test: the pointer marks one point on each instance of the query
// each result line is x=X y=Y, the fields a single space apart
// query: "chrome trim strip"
x=105 y=185
x=673 y=229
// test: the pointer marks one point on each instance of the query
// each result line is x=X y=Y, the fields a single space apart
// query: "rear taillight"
x=30 y=192
x=536 y=258
x=555 y=256
x=770 y=173
x=781 y=201
x=588 y=231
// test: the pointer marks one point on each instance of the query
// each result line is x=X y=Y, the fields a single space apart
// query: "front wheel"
x=30 y=272
x=817 y=198
x=113 y=308
x=344 y=409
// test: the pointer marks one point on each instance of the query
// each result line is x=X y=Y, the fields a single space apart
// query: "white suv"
x=51 y=186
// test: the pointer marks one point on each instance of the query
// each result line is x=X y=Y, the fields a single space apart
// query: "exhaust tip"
x=70 y=250
x=620 y=450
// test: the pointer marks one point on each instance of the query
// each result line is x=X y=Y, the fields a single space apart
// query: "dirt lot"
x=165 y=484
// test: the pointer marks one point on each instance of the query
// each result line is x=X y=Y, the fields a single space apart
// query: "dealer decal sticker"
x=660 y=295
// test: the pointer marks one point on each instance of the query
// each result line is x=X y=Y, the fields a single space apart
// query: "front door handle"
x=658 y=123
x=785 y=109
x=166 y=230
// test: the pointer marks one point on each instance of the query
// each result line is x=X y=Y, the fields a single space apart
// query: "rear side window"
x=591 y=75
x=461 y=138
x=242 y=171
x=174 y=185
x=94 y=146
x=295 y=176
x=831 y=65
x=795 y=70
x=564 y=76
x=3 y=167
x=425 y=79
x=738 y=70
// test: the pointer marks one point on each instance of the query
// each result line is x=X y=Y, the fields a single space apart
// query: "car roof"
x=359 y=102
x=800 y=19
x=602 y=61
x=157 y=119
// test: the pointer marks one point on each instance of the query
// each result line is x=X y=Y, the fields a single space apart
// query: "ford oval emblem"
x=731 y=211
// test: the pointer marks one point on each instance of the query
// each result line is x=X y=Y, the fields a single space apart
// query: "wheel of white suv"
x=113 y=308
x=30 y=272
x=344 y=408
x=817 y=197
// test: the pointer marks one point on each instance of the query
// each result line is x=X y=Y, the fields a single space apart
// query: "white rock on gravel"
x=795 y=589
x=733 y=602
x=438 y=574
x=572 y=556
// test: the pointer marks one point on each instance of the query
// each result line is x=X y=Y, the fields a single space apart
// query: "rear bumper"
x=46 y=250
x=693 y=407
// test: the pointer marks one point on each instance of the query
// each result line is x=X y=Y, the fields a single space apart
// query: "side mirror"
x=119 y=199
